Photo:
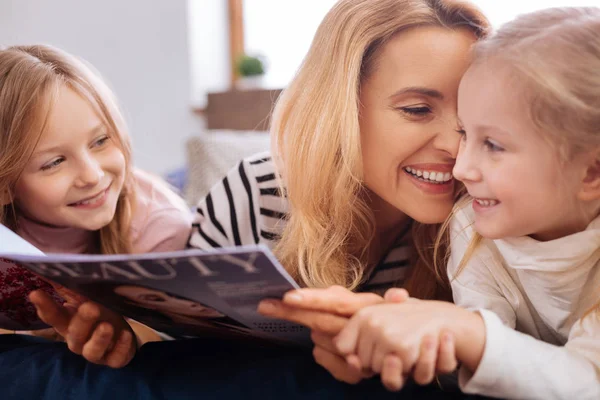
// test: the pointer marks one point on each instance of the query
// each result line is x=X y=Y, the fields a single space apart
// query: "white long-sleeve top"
x=533 y=297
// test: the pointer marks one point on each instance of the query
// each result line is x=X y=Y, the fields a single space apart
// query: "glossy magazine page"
x=185 y=293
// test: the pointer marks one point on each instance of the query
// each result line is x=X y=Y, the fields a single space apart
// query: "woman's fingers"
x=334 y=300
x=336 y=365
x=327 y=323
x=396 y=295
x=323 y=340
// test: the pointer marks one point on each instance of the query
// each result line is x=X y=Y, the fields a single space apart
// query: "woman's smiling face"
x=409 y=124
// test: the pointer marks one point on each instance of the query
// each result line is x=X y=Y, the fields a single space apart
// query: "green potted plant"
x=251 y=71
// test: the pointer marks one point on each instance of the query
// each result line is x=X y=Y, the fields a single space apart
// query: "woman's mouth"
x=435 y=177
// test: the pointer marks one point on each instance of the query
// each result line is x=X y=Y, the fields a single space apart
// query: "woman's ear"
x=590 y=188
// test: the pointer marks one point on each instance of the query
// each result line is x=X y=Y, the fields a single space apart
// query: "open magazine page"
x=187 y=293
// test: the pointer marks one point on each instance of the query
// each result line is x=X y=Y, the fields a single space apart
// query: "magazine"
x=183 y=294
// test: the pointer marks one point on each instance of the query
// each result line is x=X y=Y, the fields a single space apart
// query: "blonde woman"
x=359 y=178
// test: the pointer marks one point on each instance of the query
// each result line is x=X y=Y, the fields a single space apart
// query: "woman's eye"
x=421 y=110
x=52 y=164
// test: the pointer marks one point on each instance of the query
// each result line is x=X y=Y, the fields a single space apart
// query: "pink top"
x=161 y=222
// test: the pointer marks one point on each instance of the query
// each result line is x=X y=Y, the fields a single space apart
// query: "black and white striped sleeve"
x=231 y=214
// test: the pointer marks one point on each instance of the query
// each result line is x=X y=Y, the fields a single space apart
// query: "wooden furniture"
x=240 y=109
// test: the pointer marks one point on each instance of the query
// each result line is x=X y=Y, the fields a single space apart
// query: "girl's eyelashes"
x=493 y=147
x=489 y=144
x=101 y=141
x=52 y=164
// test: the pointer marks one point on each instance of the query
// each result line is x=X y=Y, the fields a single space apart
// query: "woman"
x=359 y=135
x=365 y=138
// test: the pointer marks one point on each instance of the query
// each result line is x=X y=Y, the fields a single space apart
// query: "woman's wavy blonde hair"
x=30 y=78
x=555 y=54
x=316 y=135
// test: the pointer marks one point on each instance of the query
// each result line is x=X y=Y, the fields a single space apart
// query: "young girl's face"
x=77 y=171
x=519 y=185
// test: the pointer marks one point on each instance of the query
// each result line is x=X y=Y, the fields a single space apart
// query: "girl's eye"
x=52 y=164
x=101 y=141
x=415 y=111
x=493 y=147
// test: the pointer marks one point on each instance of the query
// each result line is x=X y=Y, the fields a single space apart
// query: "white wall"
x=208 y=22
x=501 y=11
x=140 y=47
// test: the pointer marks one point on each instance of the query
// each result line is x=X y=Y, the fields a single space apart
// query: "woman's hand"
x=89 y=329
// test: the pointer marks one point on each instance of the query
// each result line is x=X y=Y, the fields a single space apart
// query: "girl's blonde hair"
x=30 y=78
x=555 y=54
x=316 y=134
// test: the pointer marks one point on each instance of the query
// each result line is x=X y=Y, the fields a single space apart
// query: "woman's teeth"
x=430 y=176
x=486 y=203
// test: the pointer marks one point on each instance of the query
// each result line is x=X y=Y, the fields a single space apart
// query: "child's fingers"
x=122 y=352
x=94 y=350
x=82 y=326
x=377 y=360
x=50 y=312
x=391 y=373
x=347 y=340
x=446 y=362
x=424 y=371
x=365 y=349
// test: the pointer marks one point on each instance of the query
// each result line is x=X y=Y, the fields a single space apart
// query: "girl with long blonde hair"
x=525 y=246
x=67 y=185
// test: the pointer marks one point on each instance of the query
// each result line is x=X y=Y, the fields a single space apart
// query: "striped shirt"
x=247 y=208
